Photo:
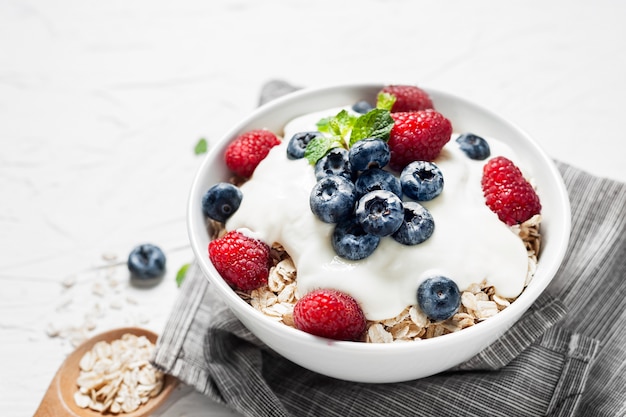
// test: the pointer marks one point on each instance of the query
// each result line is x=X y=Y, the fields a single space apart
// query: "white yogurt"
x=470 y=244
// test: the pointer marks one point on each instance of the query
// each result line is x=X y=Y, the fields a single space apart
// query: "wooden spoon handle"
x=51 y=405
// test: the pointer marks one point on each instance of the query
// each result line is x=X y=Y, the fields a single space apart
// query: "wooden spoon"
x=59 y=399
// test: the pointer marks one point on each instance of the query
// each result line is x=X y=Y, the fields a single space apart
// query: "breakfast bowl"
x=398 y=361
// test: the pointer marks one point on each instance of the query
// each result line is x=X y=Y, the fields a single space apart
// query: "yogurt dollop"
x=469 y=244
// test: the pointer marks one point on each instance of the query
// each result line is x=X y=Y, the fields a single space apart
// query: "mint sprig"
x=342 y=123
x=345 y=129
x=385 y=101
x=320 y=146
x=376 y=123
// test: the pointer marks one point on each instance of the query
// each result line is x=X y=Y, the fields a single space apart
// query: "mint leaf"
x=342 y=123
x=180 y=275
x=376 y=123
x=201 y=147
x=320 y=146
x=385 y=101
x=323 y=125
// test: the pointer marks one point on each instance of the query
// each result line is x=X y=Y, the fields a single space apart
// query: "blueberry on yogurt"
x=332 y=198
x=369 y=153
x=421 y=180
x=439 y=297
x=373 y=179
x=417 y=227
x=362 y=107
x=474 y=146
x=351 y=242
x=380 y=212
x=221 y=201
x=335 y=162
x=298 y=143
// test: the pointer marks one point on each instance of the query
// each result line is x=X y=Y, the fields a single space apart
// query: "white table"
x=101 y=104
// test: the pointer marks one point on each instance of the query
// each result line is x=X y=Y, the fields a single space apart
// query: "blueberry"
x=332 y=198
x=438 y=297
x=146 y=262
x=377 y=179
x=421 y=180
x=298 y=142
x=335 y=162
x=350 y=241
x=369 y=153
x=362 y=107
x=380 y=212
x=221 y=201
x=474 y=146
x=418 y=224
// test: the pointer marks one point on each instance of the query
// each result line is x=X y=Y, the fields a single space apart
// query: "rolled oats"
x=376 y=333
x=117 y=376
x=486 y=309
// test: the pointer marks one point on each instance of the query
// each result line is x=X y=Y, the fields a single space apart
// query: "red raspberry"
x=243 y=262
x=330 y=313
x=248 y=149
x=408 y=98
x=417 y=136
x=507 y=192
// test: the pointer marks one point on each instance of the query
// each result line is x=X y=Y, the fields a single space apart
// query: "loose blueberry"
x=298 y=142
x=421 y=180
x=418 y=225
x=351 y=242
x=474 y=146
x=221 y=201
x=439 y=298
x=332 y=198
x=369 y=153
x=362 y=107
x=380 y=212
x=146 y=262
x=335 y=162
x=377 y=179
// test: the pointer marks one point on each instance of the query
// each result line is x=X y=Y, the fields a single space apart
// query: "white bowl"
x=369 y=362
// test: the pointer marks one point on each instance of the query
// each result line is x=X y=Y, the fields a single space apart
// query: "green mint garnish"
x=320 y=146
x=180 y=275
x=336 y=130
x=385 y=101
x=323 y=125
x=345 y=129
x=376 y=123
x=201 y=147
x=342 y=124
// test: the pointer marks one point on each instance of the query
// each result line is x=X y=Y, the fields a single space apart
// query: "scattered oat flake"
x=109 y=256
x=69 y=282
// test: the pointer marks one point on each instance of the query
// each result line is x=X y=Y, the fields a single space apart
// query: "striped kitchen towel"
x=565 y=357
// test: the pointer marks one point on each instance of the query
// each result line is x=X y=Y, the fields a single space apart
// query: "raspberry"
x=417 y=136
x=408 y=98
x=248 y=149
x=507 y=193
x=243 y=262
x=331 y=314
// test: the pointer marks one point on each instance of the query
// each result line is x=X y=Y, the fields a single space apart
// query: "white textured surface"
x=101 y=104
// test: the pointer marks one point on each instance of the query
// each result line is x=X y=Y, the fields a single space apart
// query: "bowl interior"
x=465 y=117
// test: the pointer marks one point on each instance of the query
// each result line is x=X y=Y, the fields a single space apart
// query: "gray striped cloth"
x=565 y=357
